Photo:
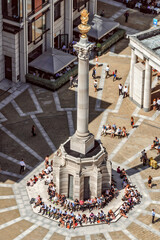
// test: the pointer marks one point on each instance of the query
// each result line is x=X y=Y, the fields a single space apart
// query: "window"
x=30 y=6
x=75 y=6
x=34 y=6
x=36 y=29
x=12 y=9
x=79 y=4
x=57 y=10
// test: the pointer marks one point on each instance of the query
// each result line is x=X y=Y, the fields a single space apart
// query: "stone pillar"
x=83 y=95
x=68 y=21
x=24 y=45
x=1 y=49
x=76 y=191
x=93 y=7
x=133 y=61
x=83 y=141
x=50 y=25
x=147 y=87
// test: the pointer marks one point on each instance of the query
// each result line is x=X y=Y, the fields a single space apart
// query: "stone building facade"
x=28 y=28
x=145 y=57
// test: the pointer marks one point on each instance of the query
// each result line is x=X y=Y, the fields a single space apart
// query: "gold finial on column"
x=84 y=27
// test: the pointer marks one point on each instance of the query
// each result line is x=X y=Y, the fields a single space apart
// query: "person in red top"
x=35 y=179
x=81 y=202
x=132 y=122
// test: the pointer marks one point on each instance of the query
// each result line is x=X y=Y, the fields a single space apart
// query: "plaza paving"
x=54 y=115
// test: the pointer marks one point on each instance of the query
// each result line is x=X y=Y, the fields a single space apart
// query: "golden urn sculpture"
x=84 y=27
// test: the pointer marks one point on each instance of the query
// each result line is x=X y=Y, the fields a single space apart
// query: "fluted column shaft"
x=147 y=87
x=83 y=95
x=133 y=61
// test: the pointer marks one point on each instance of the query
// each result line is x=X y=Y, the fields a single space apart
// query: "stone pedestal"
x=90 y=173
x=82 y=145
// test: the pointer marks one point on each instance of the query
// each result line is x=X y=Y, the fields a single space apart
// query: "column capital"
x=83 y=47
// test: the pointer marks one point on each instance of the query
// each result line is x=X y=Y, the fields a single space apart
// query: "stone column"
x=50 y=25
x=1 y=49
x=68 y=19
x=83 y=141
x=133 y=61
x=93 y=7
x=83 y=94
x=147 y=87
x=24 y=45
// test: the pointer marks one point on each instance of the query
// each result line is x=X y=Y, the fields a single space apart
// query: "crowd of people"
x=70 y=213
x=113 y=131
x=41 y=176
x=66 y=211
x=131 y=195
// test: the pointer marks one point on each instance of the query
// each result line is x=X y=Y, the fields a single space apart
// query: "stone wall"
x=1 y=50
x=11 y=49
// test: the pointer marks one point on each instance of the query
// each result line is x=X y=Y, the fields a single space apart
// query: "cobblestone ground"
x=54 y=115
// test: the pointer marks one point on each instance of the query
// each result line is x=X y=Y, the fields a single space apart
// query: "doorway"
x=8 y=68
x=70 y=186
x=86 y=188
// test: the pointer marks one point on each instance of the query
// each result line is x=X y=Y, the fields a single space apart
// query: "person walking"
x=132 y=122
x=153 y=215
x=95 y=85
x=125 y=92
x=96 y=61
x=114 y=75
x=107 y=71
x=126 y=14
x=71 y=81
x=150 y=181
x=94 y=73
x=120 y=89
x=33 y=131
x=22 y=166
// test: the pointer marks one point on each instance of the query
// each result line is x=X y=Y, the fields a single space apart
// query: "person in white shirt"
x=49 y=168
x=125 y=92
x=120 y=89
x=158 y=104
x=46 y=171
x=107 y=71
x=22 y=166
